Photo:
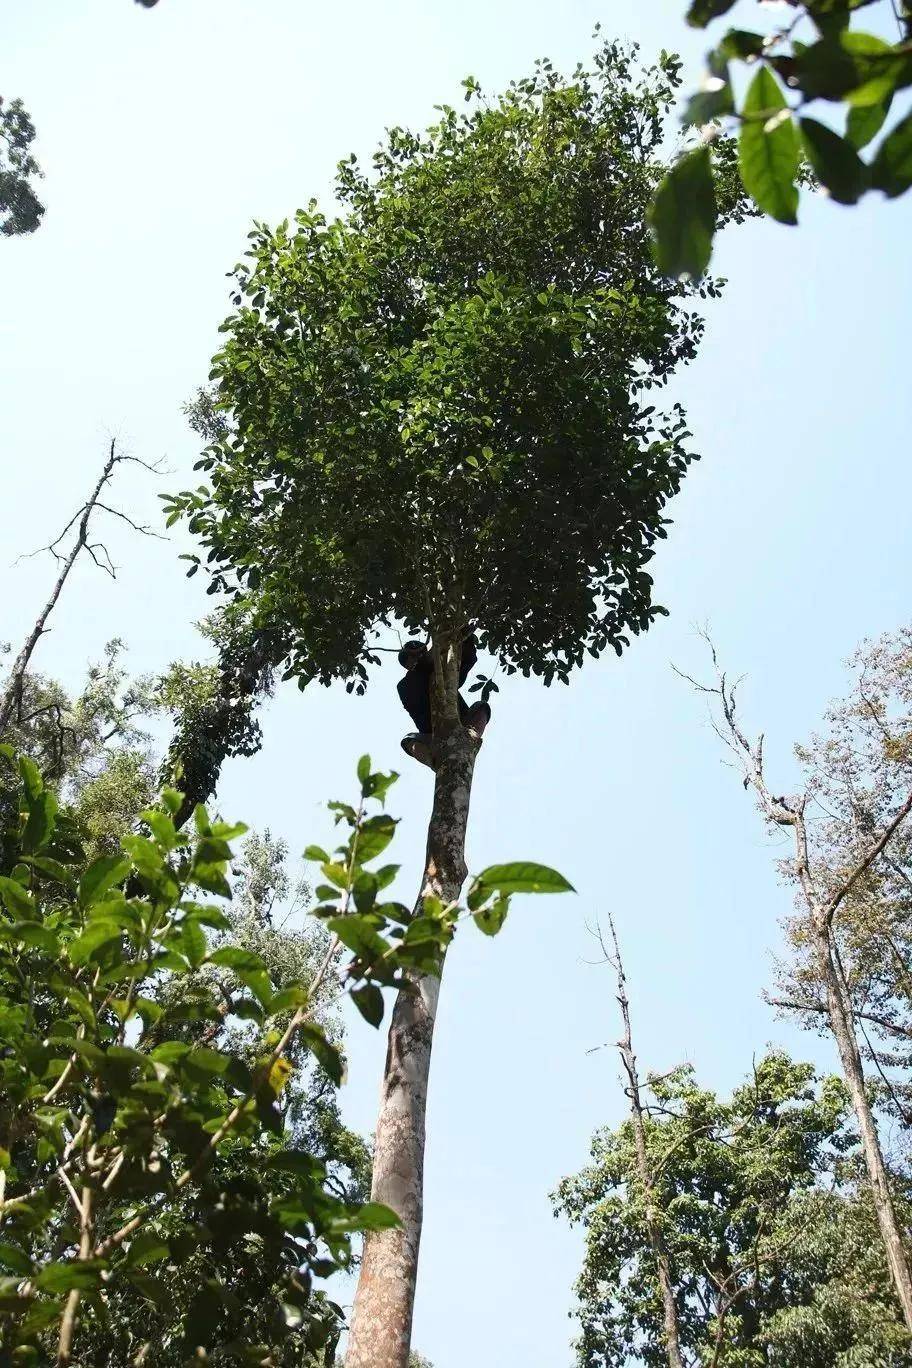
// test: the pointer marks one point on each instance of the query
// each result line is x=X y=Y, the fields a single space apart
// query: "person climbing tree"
x=437 y=412
x=415 y=695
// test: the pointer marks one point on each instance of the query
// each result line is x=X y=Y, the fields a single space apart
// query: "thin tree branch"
x=11 y=699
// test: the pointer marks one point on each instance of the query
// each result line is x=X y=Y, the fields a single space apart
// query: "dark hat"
x=411 y=648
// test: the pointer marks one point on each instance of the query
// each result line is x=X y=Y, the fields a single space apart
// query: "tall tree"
x=437 y=413
x=823 y=888
x=772 y=1241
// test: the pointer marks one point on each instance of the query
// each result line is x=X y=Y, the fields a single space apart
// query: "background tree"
x=435 y=412
x=772 y=1244
x=815 y=57
x=822 y=889
x=21 y=210
x=856 y=773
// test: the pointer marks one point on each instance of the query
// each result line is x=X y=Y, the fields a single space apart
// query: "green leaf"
x=37 y=935
x=682 y=216
x=858 y=68
x=865 y=122
x=336 y=873
x=288 y=999
x=97 y=935
x=836 y=164
x=768 y=152
x=374 y=836
x=16 y=900
x=523 y=876
x=162 y=828
x=250 y=969
x=740 y=44
x=365 y=889
x=193 y=942
x=32 y=782
x=364 y=769
x=891 y=171
x=315 y=852
x=375 y=1216
x=490 y=919
x=170 y=1052
x=714 y=100
x=63 y=1277
x=80 y=1003
x=39 y=827
x=206 y=1060
x=211 y=876
x=101 y=875
x=53 y=869
x=326 y=1053
x=702 y=12
x=15 y=1260
x=369 y=1002
x=125 y=1054
x=360 y=935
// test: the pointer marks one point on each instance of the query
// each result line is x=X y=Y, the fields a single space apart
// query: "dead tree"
x=644 y=1169
x=11 y=698
x=821 y=905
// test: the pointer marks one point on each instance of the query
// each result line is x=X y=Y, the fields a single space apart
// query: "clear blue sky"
x=163 y=133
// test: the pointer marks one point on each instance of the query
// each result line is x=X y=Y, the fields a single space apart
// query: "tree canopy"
x=772 y=1241
x=21 y=210
x=436 y=407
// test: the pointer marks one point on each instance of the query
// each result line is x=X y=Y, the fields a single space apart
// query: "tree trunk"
x=842 y=1026
x=381 y=1324
x=653 y=1218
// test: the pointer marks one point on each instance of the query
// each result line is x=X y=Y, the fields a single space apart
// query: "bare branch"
x=11 y=699
x=868 y=859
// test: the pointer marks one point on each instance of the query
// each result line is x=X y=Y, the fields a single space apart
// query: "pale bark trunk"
x=842 y=1026
x=381 y=1323
x=653 y=1218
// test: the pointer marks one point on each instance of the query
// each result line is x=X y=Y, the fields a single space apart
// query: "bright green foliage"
x=435 y=409
x=772 y=1243
x=248 y=1277
x=815 y=55
x=100 y=1082
x=154 y=1042
x=388 y=939
x=20 y=209
x=93 y=748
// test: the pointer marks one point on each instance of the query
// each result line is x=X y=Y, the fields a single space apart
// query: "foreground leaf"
x=682 y=216
x=768 y=153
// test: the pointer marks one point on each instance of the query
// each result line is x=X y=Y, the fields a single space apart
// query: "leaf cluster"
x=818 y=58
x=181 y=1146
x=771 y=1239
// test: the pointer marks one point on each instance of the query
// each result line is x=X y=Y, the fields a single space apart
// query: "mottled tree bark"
x=382 y=1316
